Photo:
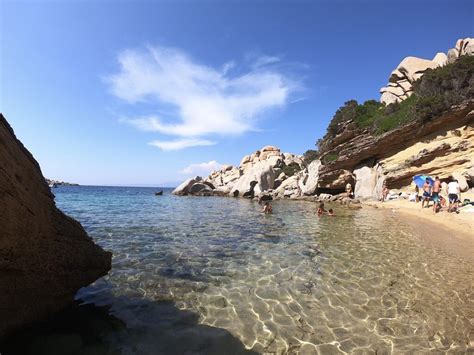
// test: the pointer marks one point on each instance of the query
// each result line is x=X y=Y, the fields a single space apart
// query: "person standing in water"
x=321 y=209
x=435 y=194
x=267 y=208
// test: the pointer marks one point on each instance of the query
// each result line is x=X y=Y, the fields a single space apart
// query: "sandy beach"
x=458 y=226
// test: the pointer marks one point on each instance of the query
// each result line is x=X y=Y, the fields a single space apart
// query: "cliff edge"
x=45 y=256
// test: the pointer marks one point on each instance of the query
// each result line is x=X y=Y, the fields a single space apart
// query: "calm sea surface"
x=213 y=275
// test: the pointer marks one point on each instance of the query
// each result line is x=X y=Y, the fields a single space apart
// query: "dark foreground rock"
x=45 y=256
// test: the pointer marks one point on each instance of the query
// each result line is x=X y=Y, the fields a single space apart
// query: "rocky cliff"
x=400 y=83
x=444 y=147
x=45 y=256
x=427 y=129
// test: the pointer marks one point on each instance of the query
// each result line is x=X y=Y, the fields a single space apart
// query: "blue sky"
x=149 y=92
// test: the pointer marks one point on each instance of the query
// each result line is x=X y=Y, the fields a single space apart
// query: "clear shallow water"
x=363 y=281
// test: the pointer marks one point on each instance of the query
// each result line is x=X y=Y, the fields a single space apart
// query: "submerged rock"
x=45 y=256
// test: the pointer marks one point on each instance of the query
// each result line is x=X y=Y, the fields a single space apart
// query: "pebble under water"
x=213 y=275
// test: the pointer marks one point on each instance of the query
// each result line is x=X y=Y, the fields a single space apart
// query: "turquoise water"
x=214 y=275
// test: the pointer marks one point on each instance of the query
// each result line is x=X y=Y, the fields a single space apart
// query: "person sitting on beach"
x=426 y=194
x=442 y=201
x=435 y=194
x=454 y=195
x=321 y=209
x=267 y=208
x=331 y=212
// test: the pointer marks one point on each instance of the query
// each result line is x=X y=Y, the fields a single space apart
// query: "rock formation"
x=400 y=83
x=436 y=139
x=443 y=147
x=45 y=256
x=258 y=173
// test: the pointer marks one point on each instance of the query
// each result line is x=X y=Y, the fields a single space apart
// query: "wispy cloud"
x=179 y=144
x=201 y=168
x=207 y=101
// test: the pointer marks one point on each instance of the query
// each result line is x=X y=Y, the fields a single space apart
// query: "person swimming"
x=331 y=212
x=321 y=209
x=267 y=208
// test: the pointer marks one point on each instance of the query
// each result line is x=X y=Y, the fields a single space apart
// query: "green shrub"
x=291 y=169
x=367 y=113
x=434 y=93
x=395 y=115
x=345 y=113
x=310 y=155
x=330 y=157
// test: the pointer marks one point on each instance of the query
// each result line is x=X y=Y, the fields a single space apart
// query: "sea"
x=213 y=275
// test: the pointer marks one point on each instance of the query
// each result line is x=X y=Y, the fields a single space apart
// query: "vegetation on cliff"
x=434 y=93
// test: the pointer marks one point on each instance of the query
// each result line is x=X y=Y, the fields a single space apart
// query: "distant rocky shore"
x=59 y=183
x=429 y=129
x=266 y=174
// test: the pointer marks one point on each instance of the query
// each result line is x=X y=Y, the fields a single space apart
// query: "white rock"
x=309 y=185
x=396 y=75
x=245 y=159
x=270 y=148
x=186 y=185
x=462 y=181
x=440 y=58
x=453 y=54
x=396 y=90
x=412 y=65
x=365 y=182
x=226 y=168
x=469 y=174
x=388 y=98
x=262 y=173
x=469 y=49
x=405 y=84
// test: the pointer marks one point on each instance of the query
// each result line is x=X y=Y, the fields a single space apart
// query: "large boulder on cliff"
x=45 y=256
x=369 y=181
x=257 y=179
x=309 y=181
x=462 y=181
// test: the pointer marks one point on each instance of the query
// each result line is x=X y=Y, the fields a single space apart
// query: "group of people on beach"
x=432 y=192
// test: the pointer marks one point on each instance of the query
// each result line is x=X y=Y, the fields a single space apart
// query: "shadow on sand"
x=149 y=328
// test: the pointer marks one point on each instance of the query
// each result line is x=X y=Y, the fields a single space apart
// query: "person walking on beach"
x=454 y=194
x=426 y=194
x=435 y=194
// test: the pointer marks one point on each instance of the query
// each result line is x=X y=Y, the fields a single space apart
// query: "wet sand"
x=454 y=229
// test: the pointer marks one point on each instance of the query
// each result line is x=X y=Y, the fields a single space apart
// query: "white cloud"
x=206 y=101
x=201 y=168
x=180 y=143
x=265 y=60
